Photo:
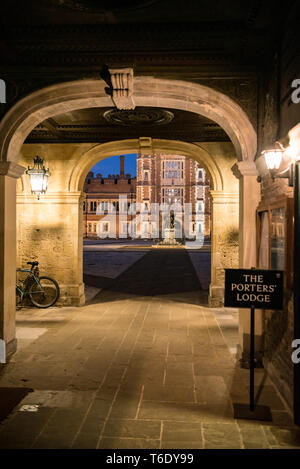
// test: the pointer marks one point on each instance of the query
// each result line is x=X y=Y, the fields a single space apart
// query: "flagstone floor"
x=144 y=365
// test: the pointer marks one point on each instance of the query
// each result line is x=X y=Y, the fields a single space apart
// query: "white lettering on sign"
x=246 y=287
x=253 y=289
x=253 y=278
x=252 y=297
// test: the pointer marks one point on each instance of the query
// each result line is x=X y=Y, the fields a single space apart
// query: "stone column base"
x=71 y=295
x=216 y=296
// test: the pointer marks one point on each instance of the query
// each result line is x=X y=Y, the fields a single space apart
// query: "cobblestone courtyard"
x=144 y=365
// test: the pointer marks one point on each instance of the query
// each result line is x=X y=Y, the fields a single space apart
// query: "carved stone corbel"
x=8 y=168
x=122 y=87
x=244 y=168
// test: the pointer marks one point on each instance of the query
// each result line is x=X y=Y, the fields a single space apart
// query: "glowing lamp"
x=38 y=177
x=273 y=158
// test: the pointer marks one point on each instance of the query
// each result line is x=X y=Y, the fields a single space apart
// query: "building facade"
x=101 y=207
x=120 y=206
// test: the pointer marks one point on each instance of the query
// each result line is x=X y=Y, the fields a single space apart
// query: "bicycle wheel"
x=46 y=295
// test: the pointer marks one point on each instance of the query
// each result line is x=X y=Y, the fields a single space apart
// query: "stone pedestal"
x=169 y=239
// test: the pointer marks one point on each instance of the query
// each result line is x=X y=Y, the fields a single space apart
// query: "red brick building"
x=103 y=202
x=167 y=180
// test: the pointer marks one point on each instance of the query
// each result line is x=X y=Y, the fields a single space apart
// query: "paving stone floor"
x=144 y=365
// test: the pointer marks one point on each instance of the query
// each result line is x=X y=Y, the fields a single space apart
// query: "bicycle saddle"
x=33 y=263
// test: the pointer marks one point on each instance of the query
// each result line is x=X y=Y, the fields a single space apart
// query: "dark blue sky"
x=112 y=165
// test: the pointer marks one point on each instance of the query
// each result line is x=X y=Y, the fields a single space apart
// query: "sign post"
x=252 y=363
x=251 y=288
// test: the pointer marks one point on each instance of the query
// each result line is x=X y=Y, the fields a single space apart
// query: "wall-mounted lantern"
x=274 y=158
x=38 y=177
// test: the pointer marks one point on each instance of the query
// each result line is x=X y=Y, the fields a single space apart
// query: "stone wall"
x=225 y=220
x=224 y=242
x=49 y=230
x=290 y=71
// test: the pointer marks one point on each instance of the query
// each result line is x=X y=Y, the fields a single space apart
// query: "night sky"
x=112 y=165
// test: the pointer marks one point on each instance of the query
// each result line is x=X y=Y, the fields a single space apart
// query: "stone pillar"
x=250 y=196
x=224 y=242
x=8 y=174
x=50 y=231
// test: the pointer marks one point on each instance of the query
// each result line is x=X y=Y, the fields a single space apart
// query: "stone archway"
x=148 y=91
x=224 y=196
x=64 y=199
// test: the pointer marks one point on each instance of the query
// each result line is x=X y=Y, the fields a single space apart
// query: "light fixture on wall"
x=292 y=172
x=38 y=177
x=274 y=158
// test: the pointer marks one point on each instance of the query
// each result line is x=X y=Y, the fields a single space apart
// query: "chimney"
x=122 y=167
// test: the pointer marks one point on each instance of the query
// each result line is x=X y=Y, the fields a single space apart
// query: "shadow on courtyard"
x=162 y=273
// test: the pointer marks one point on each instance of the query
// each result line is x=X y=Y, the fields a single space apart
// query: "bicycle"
x=43 y=292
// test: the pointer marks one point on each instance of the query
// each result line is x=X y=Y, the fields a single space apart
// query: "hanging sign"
x=261 y=289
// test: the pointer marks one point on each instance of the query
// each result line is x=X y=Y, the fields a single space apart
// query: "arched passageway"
x=64 y=189
x=64 y=200
x=224 y=192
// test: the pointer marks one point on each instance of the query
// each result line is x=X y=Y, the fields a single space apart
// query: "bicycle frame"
x=36 y=279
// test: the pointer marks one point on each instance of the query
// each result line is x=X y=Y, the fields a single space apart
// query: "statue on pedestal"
x=172 y=220
x=169 y=234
